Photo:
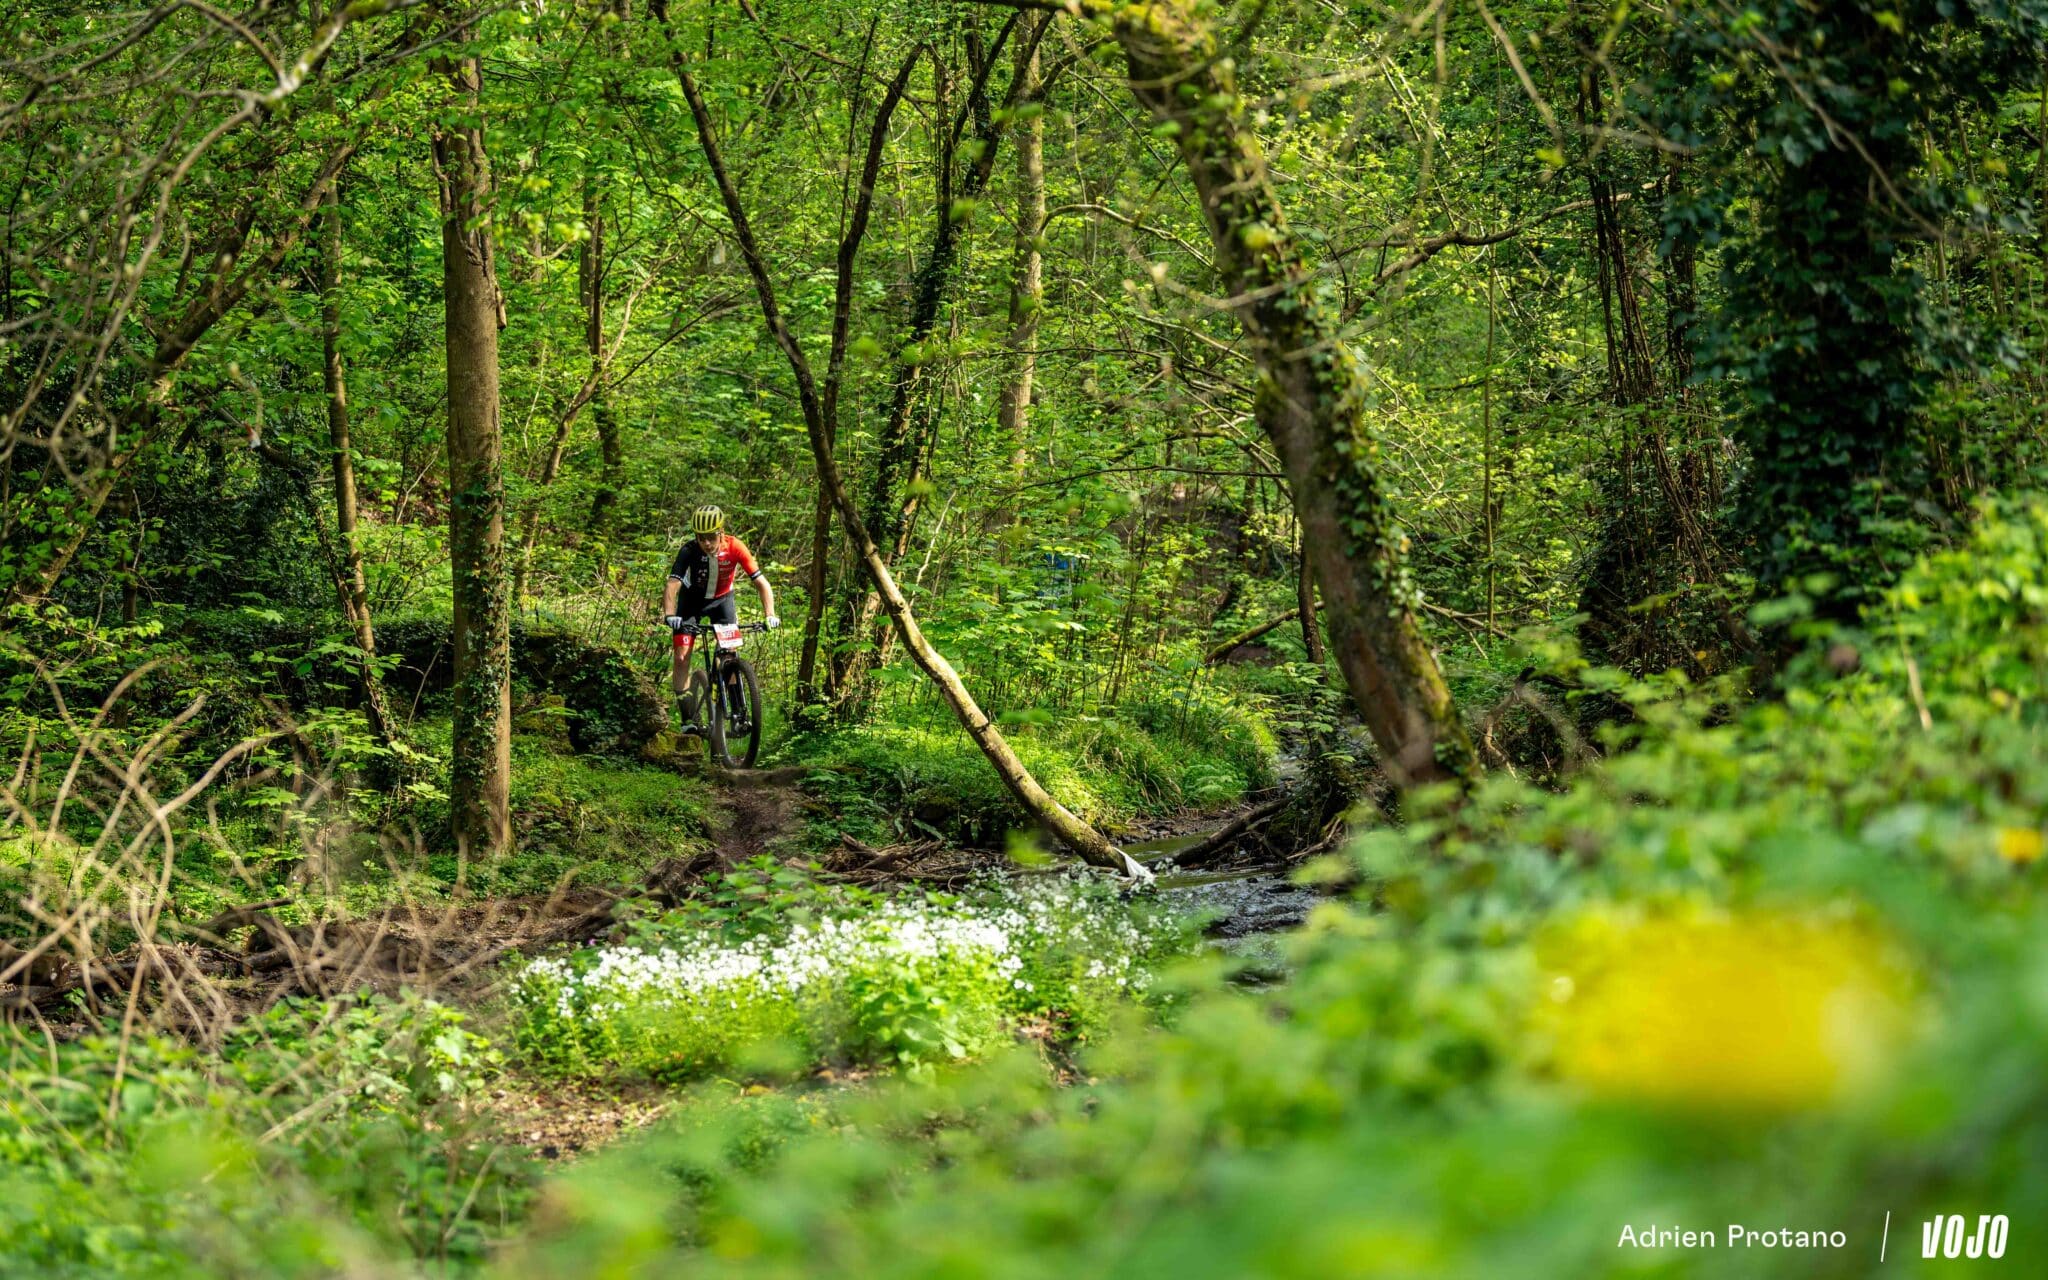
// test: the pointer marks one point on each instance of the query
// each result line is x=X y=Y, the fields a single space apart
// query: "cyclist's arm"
x=753 y=570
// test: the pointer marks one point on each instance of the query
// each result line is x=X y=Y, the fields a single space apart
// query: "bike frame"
x=705 y=638
x=707 y=631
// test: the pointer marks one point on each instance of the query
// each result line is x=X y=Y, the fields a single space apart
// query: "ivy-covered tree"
x=1819 y=118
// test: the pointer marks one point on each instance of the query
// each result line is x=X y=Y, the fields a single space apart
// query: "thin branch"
x=1135 y=225
x=1426 y=249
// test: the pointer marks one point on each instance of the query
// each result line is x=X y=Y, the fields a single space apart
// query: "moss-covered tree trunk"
x=480 y=790
x=1311 y=400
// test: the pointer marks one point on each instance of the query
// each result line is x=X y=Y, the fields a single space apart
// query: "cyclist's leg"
x=685 y=681
x=679 y=662
x=690 y=702
x=724 y=611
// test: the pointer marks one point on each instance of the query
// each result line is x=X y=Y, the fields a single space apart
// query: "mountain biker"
x=700 y=583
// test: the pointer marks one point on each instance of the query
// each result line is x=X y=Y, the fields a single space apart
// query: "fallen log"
x=216 y=930
x=1222 y=651
x=1228 y=834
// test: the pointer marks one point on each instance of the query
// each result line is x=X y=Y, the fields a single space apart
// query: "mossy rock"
x=614 y=709
x=611 y=708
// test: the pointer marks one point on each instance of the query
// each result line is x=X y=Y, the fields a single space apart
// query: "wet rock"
x=1238 y=904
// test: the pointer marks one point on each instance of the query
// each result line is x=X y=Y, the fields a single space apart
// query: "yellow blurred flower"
x=1750 y=1010
x=2019 y=845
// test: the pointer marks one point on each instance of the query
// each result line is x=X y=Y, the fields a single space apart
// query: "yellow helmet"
x=707 y=520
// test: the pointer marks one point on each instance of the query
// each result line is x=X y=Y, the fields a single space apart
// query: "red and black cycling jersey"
x=704 y=580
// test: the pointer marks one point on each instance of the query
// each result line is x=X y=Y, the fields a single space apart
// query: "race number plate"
x=728 y=635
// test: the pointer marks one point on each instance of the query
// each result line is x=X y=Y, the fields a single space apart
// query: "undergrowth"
x=839 y=976
x=319 y=1137
x=1777 y=965
x=1164 y=755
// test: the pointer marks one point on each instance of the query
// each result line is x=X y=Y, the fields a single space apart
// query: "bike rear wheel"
x=736 y=715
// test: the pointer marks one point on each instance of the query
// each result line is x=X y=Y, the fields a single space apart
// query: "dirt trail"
x=757 y=810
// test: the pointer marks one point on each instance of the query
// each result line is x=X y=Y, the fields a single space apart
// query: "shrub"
x=319 y=1134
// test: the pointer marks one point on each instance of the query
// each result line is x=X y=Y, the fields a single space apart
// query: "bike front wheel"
x=736 y=724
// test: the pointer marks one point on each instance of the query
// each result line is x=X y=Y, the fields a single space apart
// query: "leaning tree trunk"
x=353 y=584
x=1035 y=800
x=1311 y=399
x=480 y=790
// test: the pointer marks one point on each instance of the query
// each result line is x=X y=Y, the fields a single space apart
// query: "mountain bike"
x=734 y=716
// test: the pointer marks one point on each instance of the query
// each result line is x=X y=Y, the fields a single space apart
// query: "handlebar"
x=705 y=628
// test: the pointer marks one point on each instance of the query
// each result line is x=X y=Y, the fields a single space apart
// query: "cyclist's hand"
x=773 y=622
x=674 y=621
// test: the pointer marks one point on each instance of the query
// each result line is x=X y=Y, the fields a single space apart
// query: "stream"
x=1241 y=904
x=1247 y=909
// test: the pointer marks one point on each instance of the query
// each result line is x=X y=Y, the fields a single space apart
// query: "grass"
x=1146 y=758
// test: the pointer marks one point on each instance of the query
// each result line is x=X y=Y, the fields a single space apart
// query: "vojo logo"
x=1949 y=1236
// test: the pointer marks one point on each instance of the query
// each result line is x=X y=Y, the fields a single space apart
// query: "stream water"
x=1246 y=909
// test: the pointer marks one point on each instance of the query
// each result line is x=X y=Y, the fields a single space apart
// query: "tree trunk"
x=611 y=457
x=611 y=452
x=1027 y=294
x=1652 y=539
x=1223 y=650
x=911 y=418
x=1054 y=817
x=353 y=584
x=807 y=691
x=1311 y=399
x=480 y=790
x=1305 y=606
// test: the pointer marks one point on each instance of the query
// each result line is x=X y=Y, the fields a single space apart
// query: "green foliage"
x=759 y=897
x=846 y=978
x=1202 y=749
x=1974 y=619
x=590 y=820
x=318 y=1134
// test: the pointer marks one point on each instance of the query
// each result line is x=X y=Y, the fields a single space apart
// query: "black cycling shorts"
x=724 y=609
